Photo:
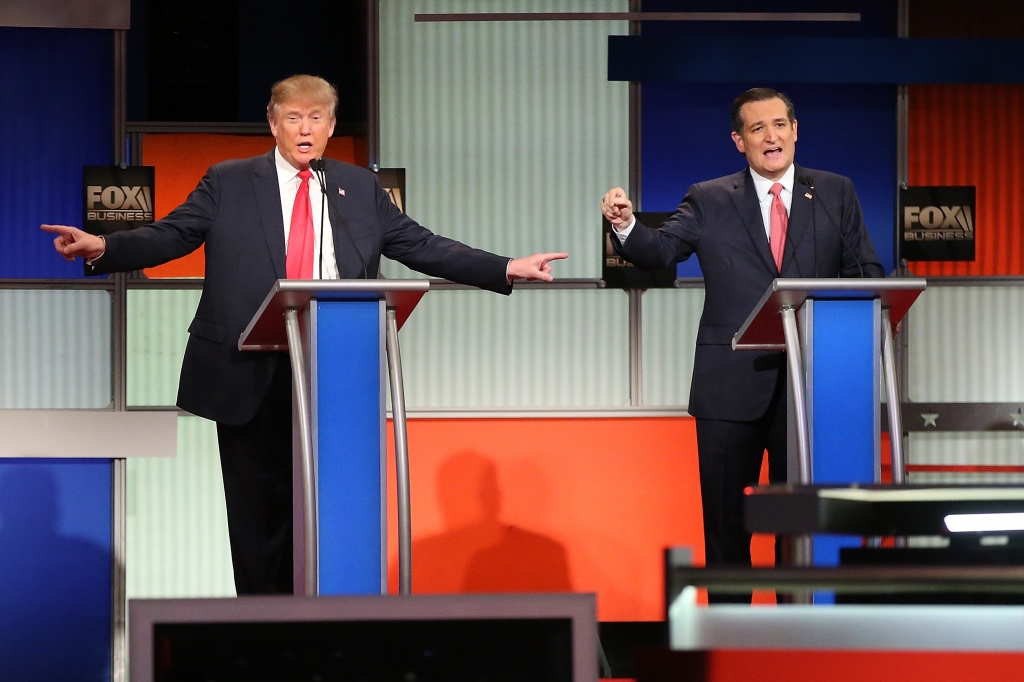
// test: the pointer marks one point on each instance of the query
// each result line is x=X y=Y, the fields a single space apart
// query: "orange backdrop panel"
x=181 y=160
x=973 y=135
x=588 y=505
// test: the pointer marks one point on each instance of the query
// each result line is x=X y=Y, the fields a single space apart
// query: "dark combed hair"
x=758 y=95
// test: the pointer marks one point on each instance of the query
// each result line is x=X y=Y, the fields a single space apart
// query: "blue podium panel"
x=844 y=405
x=55 y=569
x=349 y=446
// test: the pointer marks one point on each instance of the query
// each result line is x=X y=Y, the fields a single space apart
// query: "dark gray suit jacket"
x=236 y=212
x=720 y=221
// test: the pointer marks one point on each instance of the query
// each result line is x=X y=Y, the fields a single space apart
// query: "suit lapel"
x=799 y=218
x=744 y=198
x=268 y=205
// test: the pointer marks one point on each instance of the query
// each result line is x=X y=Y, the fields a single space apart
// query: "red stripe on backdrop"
x=966 y=468
x=973 y=135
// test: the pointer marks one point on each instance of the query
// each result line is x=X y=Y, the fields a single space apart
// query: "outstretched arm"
x=71 y=242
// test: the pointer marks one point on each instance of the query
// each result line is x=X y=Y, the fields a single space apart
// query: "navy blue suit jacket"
x=236 y=212
x=720 y=221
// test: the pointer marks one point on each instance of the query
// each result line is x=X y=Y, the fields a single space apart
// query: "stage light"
x=984 y=523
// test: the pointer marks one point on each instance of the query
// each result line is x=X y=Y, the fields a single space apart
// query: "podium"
x=837 y=334
x=340 y=336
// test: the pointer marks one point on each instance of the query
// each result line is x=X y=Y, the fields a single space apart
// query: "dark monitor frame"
x=580 y=609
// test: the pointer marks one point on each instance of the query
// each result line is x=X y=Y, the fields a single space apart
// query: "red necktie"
x=299 y=264
x=779 y=222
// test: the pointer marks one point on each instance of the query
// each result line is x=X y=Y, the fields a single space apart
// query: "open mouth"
x=304 y=146
x=773 y=153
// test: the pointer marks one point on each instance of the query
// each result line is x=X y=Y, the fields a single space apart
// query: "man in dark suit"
x=747 y=229
x=260 y=221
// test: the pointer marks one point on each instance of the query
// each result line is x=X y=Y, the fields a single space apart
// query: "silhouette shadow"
x=478 y=552
x=54 y=589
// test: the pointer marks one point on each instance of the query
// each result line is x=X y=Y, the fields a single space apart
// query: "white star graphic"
x=1017 y=417
x=929 y=419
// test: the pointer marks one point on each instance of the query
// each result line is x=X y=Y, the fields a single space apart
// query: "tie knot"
x=776 y=190
x=305 y=174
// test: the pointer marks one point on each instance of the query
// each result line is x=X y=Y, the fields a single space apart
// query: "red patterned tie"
x=299 y=263
x=778 y=224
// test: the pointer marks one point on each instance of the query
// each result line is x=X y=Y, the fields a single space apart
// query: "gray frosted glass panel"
x=510 y=132
x=1000 y=448
x=967 y=345
x=177 y=524
x=670 y=319
x=158 y=323
x=534 y=349
x=54 y=349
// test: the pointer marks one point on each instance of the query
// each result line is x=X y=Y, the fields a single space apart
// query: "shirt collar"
x=763 y=184
x=285 y=171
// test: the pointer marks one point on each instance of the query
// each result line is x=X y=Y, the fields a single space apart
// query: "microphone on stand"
x=319 y=166
x=809 y=182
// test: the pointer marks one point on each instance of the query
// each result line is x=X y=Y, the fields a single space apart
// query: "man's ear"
x=738 y=139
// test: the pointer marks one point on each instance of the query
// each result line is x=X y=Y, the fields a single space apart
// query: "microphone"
x=809 y=182
x=319 y=166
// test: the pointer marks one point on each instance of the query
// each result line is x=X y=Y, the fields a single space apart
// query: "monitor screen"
x=410 y=639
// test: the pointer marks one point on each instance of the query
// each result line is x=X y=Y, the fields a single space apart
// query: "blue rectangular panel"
x=844 y=403
x=687 y=139
x=723 y=59
x=350 y=461
x=57 y=111
x=55 y=564
x=845 y=129
x=845 y=394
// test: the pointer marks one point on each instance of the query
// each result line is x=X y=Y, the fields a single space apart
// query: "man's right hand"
x=71 y=242
x=617 y=208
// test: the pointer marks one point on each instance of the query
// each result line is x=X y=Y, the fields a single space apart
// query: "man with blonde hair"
x=260 y=220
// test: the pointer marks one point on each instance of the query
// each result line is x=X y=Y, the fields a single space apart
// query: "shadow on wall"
x=478 y=552
x=54 y=589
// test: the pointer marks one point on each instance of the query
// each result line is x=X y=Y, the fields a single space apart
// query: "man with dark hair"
x=260 y=221
x=746 y=229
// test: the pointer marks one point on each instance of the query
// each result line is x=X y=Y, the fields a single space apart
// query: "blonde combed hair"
x=302 y=89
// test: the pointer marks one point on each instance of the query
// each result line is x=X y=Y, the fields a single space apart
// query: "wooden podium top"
x=266 y=330
x=762 y=329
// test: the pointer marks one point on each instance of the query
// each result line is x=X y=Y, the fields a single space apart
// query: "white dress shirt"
x=764 y=197
x=288 y=181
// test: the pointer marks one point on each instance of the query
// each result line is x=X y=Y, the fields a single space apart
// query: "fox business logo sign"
x=937 y=223
x=117 y=198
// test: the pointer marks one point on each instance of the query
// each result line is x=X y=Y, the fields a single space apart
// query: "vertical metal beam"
x=398 y=422
x=636 y=366
x=635 y=123
x=373 y=82
x=795 y=362
x=636 y=363
x=119 y=386
x=301 y=398
x=899 y=469
x=902 y=345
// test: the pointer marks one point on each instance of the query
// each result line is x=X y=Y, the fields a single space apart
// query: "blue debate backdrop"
x=846 y=129
x=57 y=117
x=850 y=130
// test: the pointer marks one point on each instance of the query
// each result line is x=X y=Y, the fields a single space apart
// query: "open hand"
x=71 y=242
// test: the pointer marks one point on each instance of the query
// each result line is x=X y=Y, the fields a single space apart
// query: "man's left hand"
x=533 y=268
